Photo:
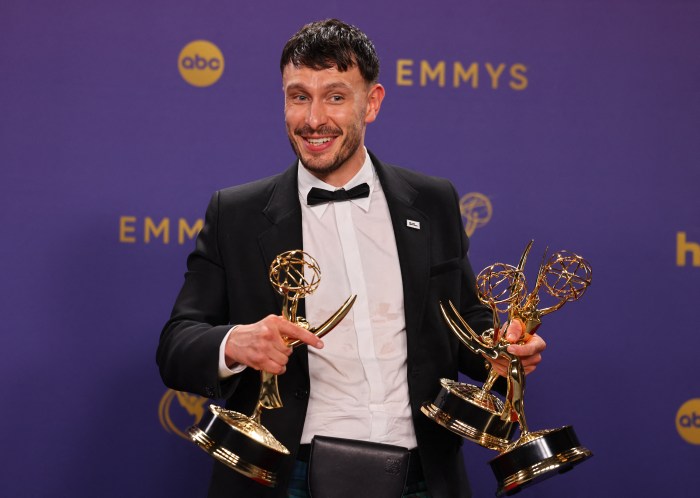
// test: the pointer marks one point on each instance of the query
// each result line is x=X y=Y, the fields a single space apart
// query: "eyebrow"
x=331 y=86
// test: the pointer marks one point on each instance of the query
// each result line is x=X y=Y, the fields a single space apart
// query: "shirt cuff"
x=224 y=371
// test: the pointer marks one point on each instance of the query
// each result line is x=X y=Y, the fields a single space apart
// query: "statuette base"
x=240 y=443
x=458 y=402
x=537 y=456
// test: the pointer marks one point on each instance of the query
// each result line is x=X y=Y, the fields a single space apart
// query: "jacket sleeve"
x=188 y=350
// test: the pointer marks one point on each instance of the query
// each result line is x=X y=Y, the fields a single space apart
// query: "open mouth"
x=318 y=144
x=318 y=141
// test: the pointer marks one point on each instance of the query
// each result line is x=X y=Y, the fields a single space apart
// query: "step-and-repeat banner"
x=573 y=123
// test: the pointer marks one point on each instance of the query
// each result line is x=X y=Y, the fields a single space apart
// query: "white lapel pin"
x=413 y=224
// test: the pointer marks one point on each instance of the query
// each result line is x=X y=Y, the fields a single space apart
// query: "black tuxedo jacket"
x=227 y=283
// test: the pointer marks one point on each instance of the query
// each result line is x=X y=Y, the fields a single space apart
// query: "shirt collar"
x=306 y=181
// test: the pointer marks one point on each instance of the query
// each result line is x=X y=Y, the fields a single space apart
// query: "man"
x=399 y=247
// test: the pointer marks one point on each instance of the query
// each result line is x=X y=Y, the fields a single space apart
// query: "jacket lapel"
x=284 y=234
x=284 y=214
x=412 y=233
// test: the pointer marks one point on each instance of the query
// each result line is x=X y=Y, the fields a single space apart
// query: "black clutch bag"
x=347 y=468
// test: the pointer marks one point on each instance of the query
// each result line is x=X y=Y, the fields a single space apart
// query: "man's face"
x=326 y=112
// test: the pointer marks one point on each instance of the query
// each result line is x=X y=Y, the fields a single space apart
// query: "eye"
x=337 y=98
x=297 y=98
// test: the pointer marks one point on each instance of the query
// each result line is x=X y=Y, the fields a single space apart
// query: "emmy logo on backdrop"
x=476 y=211
x=477 y=414
x=240 y=441
x=189 y=406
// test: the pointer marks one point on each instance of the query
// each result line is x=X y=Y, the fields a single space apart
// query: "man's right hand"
x=263 y=345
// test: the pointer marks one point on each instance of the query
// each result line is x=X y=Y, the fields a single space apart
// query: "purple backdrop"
x=578 y=120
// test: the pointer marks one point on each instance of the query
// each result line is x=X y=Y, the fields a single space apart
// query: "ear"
x=374 y=102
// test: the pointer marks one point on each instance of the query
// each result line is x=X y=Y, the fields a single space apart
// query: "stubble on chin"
x=322 y=168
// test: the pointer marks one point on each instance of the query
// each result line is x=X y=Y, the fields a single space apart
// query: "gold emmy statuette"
x=239 y=441
x=477 y=414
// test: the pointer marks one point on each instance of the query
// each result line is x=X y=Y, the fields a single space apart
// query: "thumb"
x=515 y=330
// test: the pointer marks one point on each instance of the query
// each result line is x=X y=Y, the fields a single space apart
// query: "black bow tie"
x=319 y=195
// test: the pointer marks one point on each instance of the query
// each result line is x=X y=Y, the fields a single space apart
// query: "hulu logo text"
x=686 y=250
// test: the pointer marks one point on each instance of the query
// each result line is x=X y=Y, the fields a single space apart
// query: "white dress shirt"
x=359 y=386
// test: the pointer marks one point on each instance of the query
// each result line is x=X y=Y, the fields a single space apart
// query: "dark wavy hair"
x=332 y=43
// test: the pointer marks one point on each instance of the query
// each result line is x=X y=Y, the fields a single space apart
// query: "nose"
x=316 y=115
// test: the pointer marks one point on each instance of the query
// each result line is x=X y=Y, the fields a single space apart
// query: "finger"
x=268 y=359
x=275 y=332
x=500 y=365
x=500 y=370
x=277 y=358
x=273 y=367
x=292 y=331
x=522 y=350
x=534 y=345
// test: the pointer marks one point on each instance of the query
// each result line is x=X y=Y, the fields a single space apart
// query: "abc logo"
x=688 y=421
x=201 y=63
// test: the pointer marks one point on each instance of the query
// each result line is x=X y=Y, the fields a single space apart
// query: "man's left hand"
x=529 y=352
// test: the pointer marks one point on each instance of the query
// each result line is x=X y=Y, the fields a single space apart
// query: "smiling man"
x=391 y=236
x=326 y=112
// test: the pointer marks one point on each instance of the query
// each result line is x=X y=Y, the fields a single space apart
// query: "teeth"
x=318 y=141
